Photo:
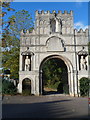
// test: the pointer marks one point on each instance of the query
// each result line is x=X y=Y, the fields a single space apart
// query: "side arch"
x=26 y=86
x=20 y=84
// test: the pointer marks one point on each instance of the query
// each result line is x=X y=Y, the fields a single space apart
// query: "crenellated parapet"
x=48 y=22
x=81 y=32
x=24 y=33
x=27 y=32
x=39 y=13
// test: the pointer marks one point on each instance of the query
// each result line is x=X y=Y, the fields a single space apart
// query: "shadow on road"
x=49 y=109
x=50 y=92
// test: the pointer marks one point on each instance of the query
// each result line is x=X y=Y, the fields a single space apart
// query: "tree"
x=5 y=6
x=12 y=43
x=54 y=73
x=8 y=87
x=84 y=86
x=22 y=21
x=11 y=61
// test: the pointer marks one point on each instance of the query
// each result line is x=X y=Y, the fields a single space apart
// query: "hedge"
x=84 y=86
x=8 y=88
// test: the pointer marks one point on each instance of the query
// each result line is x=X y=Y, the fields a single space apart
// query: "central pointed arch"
x=69 y=71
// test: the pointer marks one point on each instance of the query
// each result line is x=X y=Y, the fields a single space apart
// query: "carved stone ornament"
x=83 y=52
x=27 y=52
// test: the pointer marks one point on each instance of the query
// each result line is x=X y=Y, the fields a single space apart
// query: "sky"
x=51 y=0
x=80 y=10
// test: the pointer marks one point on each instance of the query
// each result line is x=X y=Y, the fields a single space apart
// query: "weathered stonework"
x=53 y=36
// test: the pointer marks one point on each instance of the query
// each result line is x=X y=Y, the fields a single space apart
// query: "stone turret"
x=64 y=21
x=61 y=23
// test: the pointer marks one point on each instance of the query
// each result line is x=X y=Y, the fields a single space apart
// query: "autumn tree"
x=5 y=6
x=20 y=20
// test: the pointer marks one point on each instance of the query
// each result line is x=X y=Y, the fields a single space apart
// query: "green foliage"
x=53 y=86
x=8 y=88
x=55 y=74
x=22 y=20
x=11 y=61
x=11 y=40
x=84 y=86
x=51 y=74
x=5 y=7
x=26 y=92
x=66 y=89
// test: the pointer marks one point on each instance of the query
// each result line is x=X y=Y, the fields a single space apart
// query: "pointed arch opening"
x=26 y=86
x=53 y=76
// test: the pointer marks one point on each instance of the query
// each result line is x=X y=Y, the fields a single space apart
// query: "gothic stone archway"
x=66 y=63
x=60 y=40
x=63 y=86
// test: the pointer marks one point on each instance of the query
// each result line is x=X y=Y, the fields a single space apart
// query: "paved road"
x=44 y=107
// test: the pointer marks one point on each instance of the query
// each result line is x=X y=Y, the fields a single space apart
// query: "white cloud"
x=80 y=25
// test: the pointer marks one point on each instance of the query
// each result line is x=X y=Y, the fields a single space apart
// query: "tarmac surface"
x=47 y=106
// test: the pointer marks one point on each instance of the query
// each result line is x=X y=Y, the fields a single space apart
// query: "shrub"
x=66 y=88
x=8 y=87
x=84 y=86
x=26 y=92
x=60 y=88
x=53 y=86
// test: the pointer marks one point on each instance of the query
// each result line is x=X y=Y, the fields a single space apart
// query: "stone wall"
x=48 y=39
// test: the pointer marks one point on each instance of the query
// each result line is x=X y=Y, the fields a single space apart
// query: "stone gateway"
x=53 y=36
